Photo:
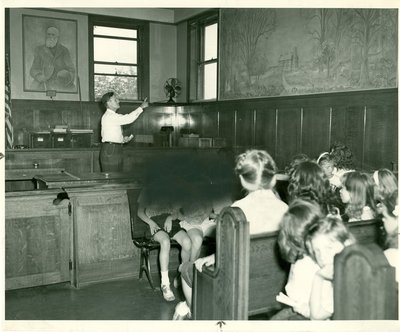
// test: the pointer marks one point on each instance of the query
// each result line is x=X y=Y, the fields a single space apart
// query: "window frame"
x=199 y=23
x=142 y=39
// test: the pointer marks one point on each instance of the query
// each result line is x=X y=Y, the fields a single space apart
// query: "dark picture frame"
x=49 y=67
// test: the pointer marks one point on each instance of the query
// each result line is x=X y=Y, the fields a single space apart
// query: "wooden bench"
x=249 y=271
x=364 y=286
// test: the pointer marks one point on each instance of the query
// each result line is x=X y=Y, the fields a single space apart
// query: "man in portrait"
x=52 y=67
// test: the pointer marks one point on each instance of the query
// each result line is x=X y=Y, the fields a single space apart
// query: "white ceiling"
x=165 y=15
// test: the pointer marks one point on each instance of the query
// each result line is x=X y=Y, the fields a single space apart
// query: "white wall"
x=147 y=14
x=163 y=40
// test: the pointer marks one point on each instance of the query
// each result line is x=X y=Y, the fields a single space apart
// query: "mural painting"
x=278 y=52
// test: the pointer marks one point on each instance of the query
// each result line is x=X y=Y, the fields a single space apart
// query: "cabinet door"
x=102 y=236
x=37 y=246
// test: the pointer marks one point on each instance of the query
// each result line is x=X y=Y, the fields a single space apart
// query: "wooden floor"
x=127 y=299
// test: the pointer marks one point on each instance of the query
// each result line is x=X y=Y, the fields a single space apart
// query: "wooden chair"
x=365 y=287
x=142 y=239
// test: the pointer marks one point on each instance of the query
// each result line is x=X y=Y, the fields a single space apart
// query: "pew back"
x=218 y=292
x=364 y=284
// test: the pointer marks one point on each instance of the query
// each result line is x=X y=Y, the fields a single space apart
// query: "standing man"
x=52 y=67
x=111 y=132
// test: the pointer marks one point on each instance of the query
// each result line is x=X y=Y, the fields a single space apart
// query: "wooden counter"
x=84 y=239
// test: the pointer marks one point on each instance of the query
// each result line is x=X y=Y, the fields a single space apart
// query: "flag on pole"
x=8 y=118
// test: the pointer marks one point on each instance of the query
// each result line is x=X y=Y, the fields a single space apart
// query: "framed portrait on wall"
x=49 y=54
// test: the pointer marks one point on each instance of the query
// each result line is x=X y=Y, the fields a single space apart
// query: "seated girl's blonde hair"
x=256 y=168
x=332 y=226
x=361 y=189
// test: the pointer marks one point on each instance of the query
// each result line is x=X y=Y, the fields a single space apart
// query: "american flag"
x=8 y=119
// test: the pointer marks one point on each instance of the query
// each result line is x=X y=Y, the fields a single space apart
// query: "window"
x=117 y=59
x=204 y=58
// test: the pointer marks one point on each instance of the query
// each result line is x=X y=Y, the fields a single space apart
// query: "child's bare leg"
x=165 y=245
x=187 y=292
x=183 y=239
x=196 y=237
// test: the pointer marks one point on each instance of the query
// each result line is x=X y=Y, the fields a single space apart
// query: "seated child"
x=296 y=160
x=159 y=208
x=327 y=164
x=342 y=158
x=300 y=215
x=263 y=211
x=390 y=214
x=325 y=238
x=385 y=184
x=357 y=193
x=309 y=182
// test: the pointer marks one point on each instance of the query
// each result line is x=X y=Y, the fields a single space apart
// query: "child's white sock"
x=164 y=278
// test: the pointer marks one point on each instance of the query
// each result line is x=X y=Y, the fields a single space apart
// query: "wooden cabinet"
x=37 y=239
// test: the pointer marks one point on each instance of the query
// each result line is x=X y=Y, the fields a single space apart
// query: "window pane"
x=115 y=32
x=210 y=42
x=210 y=81
x=115 y=50
x=125 y=87
x=115 y=69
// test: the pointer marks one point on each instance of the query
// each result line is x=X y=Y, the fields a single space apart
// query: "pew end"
x=221 y=292
x=365 y=287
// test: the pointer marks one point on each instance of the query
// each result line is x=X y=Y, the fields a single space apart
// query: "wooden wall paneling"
x=381 y=137
x=209 y=121
x=348 y=128
x=288 y=135
x=244 y=125
x=95 y=156
x=315 y=131
x=265 y=131
x=226 y=122
x=192 y=118
x=140 y=162
x=37 y=241
x=140 y=126
x=74 y=161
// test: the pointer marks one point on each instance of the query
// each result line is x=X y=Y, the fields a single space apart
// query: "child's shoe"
x=167 y=293
x=182 y=311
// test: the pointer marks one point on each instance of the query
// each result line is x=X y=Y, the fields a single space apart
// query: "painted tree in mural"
x=385 y=64
x=253 y=25
x=229 y=30
x=366 y=28
x=341 y=23
x=320 y=33
x=327 y=56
